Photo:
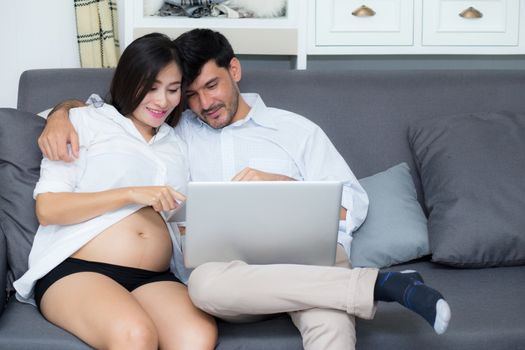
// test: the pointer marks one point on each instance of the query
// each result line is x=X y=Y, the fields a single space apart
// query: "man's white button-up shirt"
x=275 y=141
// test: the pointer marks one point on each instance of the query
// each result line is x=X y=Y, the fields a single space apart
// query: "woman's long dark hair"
x=137 y=71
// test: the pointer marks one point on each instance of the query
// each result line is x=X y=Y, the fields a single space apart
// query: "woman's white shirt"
x=113 y=154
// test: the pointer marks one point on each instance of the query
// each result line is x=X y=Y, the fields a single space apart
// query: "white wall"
x=34 y=34
x=37 y=34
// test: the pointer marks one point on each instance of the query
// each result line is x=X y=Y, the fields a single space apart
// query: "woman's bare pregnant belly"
x=140 y=240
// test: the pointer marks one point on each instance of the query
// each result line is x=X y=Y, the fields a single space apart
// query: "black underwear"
x=128 y=277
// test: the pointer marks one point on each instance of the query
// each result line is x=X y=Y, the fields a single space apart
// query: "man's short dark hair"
x=197 y=47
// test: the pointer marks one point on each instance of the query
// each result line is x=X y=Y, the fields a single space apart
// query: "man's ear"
x=235 y=69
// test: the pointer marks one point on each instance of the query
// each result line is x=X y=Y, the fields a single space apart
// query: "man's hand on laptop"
x=249 y=174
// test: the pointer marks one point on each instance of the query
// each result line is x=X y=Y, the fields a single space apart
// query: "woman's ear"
x=235 y=69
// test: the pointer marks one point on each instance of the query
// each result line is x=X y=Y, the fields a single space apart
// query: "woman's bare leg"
x=179 y=324
x=99 y=311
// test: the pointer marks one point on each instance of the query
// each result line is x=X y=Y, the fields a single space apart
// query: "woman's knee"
x=200 y=335
x=139 y=333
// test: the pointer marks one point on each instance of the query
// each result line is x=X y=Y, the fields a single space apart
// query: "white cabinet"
x=357 y=27
x=349 y=22
x=416 y=27
x=471 y=23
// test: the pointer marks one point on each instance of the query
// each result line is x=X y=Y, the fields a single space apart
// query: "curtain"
x=97 y=32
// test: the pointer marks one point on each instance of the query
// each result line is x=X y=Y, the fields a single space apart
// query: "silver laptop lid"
x=270 y=222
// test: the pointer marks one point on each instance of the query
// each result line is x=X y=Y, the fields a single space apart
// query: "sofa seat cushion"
x=274 y=333
x=23 y=328
x=487 y=312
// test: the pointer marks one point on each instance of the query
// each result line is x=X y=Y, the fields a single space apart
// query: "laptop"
x=262 y=222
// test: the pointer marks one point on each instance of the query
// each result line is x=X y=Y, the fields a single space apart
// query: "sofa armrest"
x=3 y=271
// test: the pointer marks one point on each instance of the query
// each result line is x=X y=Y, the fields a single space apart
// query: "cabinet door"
x=364 y=22
x=471 y=22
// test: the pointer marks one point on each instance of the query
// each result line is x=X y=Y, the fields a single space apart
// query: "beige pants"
x=321 y=301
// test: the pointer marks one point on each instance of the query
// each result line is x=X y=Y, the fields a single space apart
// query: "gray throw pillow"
x=395 y=229
x=19 y=171
x=3 y=267
x=472 y=169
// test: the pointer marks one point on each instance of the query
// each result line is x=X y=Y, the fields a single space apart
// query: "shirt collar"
x=258 y=113
x=111 y=112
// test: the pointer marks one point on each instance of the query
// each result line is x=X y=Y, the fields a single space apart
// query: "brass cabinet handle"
x=363 y=11
x=471 y=13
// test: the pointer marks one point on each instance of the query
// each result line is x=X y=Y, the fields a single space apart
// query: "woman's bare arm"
x=66 y=208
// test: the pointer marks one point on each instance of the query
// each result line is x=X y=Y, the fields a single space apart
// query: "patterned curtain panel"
x=97 y=33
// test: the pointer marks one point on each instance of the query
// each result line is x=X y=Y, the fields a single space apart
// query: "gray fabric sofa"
x=367 y=115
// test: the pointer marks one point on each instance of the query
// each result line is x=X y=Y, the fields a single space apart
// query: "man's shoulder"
x=288 y=119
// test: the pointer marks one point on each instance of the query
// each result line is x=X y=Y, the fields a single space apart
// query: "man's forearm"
x=66 y=105
x=59 y=132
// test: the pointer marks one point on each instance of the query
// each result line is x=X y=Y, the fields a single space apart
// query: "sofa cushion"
x=395 y=229
x=19 y=170
x=472 y=169
x=3 y=271
x=277 y=332
x=487 y=312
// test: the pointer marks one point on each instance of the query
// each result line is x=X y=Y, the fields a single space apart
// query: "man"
x=233 y=136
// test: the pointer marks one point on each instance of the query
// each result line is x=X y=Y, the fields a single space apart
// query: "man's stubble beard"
x=234 y=106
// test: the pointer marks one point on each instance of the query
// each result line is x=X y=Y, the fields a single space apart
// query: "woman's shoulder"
x=90 y=121
x=80 y=116
x=94 y=115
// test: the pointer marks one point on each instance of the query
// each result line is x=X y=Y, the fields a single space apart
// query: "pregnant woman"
x=104 y=262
